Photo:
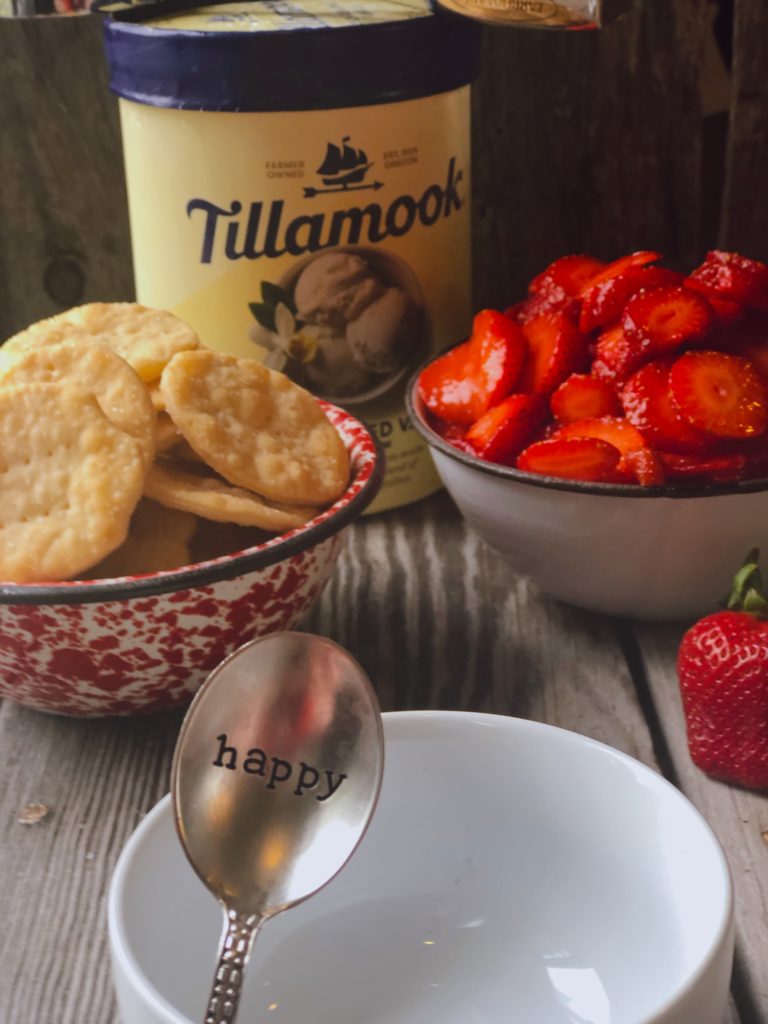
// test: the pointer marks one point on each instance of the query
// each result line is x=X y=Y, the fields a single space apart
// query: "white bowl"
x=513 y=872
x=662 y=553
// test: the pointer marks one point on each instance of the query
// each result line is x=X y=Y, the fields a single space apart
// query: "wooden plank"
x=443 y=623
x=98 y=777
x=738 y=817
x=745 y=211
x=435 y=619
x=64 y=236
x=588 y=141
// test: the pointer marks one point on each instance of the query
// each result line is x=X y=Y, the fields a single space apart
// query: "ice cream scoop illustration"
x=344 y=326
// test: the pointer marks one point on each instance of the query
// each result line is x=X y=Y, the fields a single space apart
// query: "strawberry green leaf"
x=747 y=593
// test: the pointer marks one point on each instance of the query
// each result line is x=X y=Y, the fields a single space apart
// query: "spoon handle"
x=236 y=943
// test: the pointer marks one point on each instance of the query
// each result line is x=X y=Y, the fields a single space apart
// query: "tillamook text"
x=237 y=235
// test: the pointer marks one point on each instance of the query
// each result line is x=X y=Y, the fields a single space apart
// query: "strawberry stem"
x=747 y=594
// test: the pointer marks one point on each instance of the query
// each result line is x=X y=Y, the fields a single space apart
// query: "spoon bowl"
x=275 y=777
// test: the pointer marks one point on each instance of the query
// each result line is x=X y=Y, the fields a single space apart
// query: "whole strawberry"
x=723 y=669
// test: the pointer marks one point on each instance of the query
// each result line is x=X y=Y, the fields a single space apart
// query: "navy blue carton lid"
x=281 y=55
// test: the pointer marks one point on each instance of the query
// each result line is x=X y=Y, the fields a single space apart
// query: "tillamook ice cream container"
x=299 y=190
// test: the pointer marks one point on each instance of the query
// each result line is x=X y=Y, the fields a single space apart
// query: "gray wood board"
x=588 y=142
x=64 y=236
x=435 y=619
x=745 y=211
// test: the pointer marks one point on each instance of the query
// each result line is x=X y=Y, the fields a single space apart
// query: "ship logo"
x=343 y=170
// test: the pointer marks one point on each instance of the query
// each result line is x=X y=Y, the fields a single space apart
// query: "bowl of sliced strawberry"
x=608 y=434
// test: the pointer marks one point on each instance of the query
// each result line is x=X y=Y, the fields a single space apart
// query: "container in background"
x=575 y=14
x=299 y=190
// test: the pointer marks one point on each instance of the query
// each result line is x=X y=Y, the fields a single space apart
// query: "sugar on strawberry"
x=732 y=277
x=722 y=667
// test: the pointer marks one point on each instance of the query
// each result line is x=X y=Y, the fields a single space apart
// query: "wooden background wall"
x=598 y=141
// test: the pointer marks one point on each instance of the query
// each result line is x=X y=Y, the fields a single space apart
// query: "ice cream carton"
x=299 y=190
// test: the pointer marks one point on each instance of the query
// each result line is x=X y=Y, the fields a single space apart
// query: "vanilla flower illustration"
x=291 y=339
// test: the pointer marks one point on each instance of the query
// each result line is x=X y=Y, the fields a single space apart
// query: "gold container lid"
x=530 y=13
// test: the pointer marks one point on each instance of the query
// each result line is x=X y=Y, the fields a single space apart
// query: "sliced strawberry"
x=718 y=468
x=614 y=429
x=748 y=339
x=648 y=406
x=720 y=393
x=617 y=267
x=603 y=303
x=661 y=319
x=582 y=396
x=571 y=458
x=566 y=276
x=465 y=382
x=727 y=313
x=536 y=305
x=502 y=433
x=617 y=356
x=455 y=435
x=556 y=349
x=733 y=277
x=646 y=467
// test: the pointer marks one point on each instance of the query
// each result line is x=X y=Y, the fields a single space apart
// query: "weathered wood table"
x=599 y=142
x=437 y=622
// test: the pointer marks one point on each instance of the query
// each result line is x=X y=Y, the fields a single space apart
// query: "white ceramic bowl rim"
x=418 y=415
x=118 y=893
x=366 y=479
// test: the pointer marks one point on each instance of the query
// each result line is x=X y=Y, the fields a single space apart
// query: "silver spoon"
x=276 y=773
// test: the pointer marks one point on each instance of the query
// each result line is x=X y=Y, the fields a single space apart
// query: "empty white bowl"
x=513 y=872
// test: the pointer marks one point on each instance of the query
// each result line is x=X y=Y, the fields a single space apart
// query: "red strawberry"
x=468 y=380
x=648 y=406
x=748 y=339
x=645 y=466
x=556 y=349
x=502 y=433
x=604 y=302
x=637 y=462
x=720 y=393
x=582 y=396
x=617 y=356
x=613 y=429
x=456 y=436
x=535 y=305
x=756 y=459
x=620 y=266
x=723 y=670
x=571 y=458
x=727 y=313
x=566 y=276
x=661 y=319
x=732 y=276
x=716 y=468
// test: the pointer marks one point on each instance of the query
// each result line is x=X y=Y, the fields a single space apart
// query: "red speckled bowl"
x=145 y=643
